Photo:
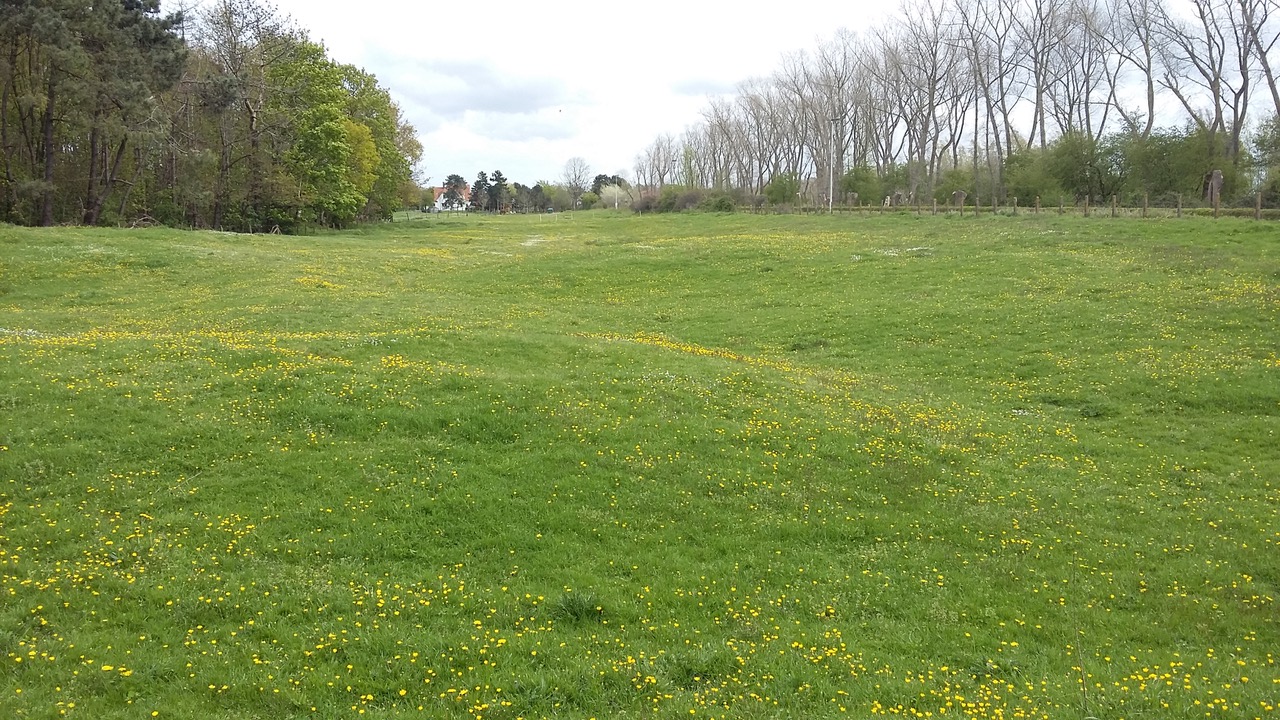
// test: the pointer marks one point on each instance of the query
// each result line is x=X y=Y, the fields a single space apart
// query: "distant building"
x=438 y=195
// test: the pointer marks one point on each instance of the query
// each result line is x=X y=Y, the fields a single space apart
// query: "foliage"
x=1266 y=150
x=716 y=202
x=960 y=178
x=529 y=199
x=782 y=189
x=1173 y=162
x=498 y=192
x=480 y=192
x=615 y=196
x=1085 y=168
x=603 y=181
x=397 y=148
x=1027 y=176
x=320 y=150
x=558 y=197
x=646 y=203
x=79 y=86
x=109 y=114
x=589 y=200
x=862 y=180
x=676 y=198
x=895 y=180
x=455 y=193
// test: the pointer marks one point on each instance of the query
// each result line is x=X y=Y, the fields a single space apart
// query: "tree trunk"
x=132 y=183
x=94 y=213
x=46 y=203
x=91 y=192
x=9 y=199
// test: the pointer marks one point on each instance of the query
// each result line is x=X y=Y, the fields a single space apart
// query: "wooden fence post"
x=1060 y=211
x=1037 y=204
x=1086 y=206
x=1257 y=207
x=1179 y=214
x=1015 y=204
x=1113 y=206
x=1145 y=198
x=977 y=205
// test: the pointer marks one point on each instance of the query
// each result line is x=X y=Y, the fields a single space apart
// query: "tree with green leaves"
x=480 y=192
x=329 y=158
x=397 y=149
x=455 y=192
x=782 y=189
x=497 y=191
x=107 y=114
x=134 y=55
x=78 y=82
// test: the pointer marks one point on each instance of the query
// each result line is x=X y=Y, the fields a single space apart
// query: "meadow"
x=611 y=466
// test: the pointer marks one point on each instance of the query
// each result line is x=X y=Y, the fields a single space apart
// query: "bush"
x=675 y=198
x=718 y=202
x=645 y=203
x=782 y=189
x=862 y=180
x=953 y=179
x=1026 y=177
x=667 y=198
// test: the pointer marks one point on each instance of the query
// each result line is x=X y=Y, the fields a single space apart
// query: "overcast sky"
x=522 y=87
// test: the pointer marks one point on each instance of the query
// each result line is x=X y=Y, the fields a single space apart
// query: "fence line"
x=1111 y=208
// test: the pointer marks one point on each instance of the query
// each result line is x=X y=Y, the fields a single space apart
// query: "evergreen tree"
x=480 y=192
x=455 y=189
x=497 y=190
x=107 y=113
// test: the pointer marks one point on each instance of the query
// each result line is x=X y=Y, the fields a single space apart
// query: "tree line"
x=492 y=192
x=229 y=117
x=1074 y=98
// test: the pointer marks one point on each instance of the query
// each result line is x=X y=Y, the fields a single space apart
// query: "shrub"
x=675 y=198
x=718 y=202
x=645 y=203
x=782 y=189
x=1026 y=176
x=667 y=198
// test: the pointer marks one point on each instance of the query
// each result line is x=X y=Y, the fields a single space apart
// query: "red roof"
x=439 y=191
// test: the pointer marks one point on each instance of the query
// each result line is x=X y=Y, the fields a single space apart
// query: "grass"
x=594 y=465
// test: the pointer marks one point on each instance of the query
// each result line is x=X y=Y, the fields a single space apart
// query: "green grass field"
x=597 y=465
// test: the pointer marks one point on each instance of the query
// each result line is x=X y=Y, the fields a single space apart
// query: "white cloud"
x=522 y=88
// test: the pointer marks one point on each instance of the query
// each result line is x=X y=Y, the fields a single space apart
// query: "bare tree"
x=577 y=178
x=1039 y=35
x=1263 y=30
x=1131 y=36
x=946 y=78
x=1086 y=73
x=1210 y=60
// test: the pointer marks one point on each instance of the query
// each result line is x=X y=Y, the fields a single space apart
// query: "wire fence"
x=1165 y=207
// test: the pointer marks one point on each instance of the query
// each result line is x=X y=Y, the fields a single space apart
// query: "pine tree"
x=480 y=192
x=497 y=191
